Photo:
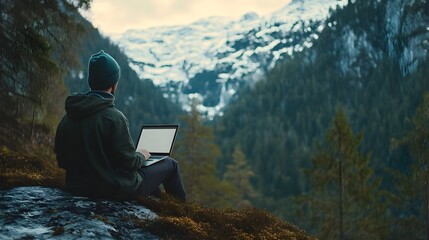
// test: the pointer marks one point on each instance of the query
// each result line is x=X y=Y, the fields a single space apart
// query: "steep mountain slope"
x=371 y=59
x=211 y=58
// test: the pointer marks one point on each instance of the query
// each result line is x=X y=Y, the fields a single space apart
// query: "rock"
x=40 y=213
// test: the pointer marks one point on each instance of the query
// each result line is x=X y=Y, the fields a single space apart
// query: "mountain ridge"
x=212 y=58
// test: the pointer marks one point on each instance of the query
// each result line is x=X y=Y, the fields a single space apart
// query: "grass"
x=177 y=220
x=27 y=160
x=29 y=169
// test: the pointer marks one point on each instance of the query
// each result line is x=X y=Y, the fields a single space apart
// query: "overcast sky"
x=117 y=16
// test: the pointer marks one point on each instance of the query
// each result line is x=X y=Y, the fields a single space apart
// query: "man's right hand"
x=145 y=153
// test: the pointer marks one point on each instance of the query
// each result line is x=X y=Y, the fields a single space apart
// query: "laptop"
x=158 y=140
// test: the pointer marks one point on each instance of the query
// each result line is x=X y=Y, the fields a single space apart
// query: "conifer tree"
x=416 y=185
x=36 y=52
x=238 y=173
x=344 y=199
x=197 y=153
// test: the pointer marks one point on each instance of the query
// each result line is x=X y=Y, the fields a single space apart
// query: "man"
x=94 y=146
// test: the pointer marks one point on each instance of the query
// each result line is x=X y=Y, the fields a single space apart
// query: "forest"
x=340 y=153
x=345 y=148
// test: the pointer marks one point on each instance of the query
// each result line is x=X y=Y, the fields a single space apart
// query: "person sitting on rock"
x=94 y=146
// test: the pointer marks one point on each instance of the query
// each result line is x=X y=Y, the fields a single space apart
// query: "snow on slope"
x=211 y=58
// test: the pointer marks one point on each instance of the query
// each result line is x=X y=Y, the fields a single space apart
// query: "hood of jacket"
x=80 y=106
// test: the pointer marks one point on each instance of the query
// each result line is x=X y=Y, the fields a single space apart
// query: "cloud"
x=115 y=16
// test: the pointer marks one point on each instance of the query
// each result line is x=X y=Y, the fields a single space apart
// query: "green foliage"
x=344 y=191
x=197 y=152
x=413 y=188
x=239 y=174
x=418 y=137
x=284 y=115
x=36 y=51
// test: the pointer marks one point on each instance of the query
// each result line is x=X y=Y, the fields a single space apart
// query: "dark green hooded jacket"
x=94 y=146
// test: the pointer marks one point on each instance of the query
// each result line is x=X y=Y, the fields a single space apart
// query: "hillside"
x=212 y=58
x=372 y=60
x=111 y=219
x=331 y=134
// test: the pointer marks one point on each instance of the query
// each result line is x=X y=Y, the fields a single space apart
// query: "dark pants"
x=164 y=172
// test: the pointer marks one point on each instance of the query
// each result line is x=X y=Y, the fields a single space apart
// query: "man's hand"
x=145 y=153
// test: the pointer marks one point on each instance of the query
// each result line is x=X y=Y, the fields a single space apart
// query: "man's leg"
x=165 y=172
x=156 y=193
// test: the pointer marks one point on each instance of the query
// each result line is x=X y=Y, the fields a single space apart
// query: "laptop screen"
x=157 y=139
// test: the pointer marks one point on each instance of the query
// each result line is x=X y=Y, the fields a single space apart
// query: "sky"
x=117 y=16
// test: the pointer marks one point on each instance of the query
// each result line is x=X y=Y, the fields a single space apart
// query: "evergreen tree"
x=238 y=173
x=414 y=188
x=36 y=52
x=344 y=201
x=197 y=152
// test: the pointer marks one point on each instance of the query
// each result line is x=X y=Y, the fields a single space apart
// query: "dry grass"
x=29 y=169
x=27 y=159
x=179 y=220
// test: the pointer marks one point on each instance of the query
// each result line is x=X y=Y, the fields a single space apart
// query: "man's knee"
x=173 y=162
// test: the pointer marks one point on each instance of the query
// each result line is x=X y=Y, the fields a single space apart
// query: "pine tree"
x=36 y=51
x=416 y=185
x=239 y=173
x=344 y=200
x=197 y=153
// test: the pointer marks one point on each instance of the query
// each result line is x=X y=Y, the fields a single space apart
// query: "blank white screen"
x=156 y=140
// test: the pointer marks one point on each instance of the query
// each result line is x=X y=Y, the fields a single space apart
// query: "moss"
x=59 y=230
x=180 y=220
x=28 y=169
x=102 y=218
x=175 y=228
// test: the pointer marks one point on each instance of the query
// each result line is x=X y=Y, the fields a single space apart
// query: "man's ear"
x=114 y=87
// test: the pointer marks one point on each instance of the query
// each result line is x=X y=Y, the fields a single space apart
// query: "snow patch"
x=239 y=50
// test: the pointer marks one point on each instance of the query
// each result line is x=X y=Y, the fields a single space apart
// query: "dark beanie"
x=103 y=71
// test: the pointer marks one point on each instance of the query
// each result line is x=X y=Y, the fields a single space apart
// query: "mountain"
x=212 y=58
x=372 y=60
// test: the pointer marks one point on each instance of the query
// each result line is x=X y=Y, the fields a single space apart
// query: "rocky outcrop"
x=41 y=213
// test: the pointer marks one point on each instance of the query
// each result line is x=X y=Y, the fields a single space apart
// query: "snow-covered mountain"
x=210 y=59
